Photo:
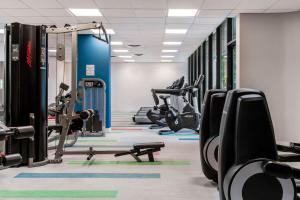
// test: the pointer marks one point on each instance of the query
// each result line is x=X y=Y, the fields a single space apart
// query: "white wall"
x=132 y=82
x=268 y=47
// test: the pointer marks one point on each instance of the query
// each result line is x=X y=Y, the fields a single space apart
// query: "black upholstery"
x=254 y=130
x=206 y=126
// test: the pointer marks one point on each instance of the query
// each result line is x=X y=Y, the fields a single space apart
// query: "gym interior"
x=149 y=99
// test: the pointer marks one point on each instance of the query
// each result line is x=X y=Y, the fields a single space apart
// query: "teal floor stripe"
x=188 y=138
x=90 y=175
x=180 y=134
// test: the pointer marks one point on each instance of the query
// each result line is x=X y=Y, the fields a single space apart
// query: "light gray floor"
x=176 y=182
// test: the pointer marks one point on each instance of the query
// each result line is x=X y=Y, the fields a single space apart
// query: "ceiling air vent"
x=134 y=45
x=139 y=54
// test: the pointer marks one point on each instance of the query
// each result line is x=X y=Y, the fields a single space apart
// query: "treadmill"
x=140 y=117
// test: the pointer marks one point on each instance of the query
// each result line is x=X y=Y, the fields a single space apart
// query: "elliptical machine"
x=249 y=164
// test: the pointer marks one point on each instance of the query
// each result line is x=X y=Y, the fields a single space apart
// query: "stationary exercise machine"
x=249 y=166
x=189 y=117
x=92 y=95
x=26 y=89
x=212 y=109
x=158 y=113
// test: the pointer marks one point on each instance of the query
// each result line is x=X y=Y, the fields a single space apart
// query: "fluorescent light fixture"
x=1 y=31
x=108 y=31
x=116 y=43
x=52 y=50
x=182 y=12
x=129 y=60
x=176 y=31
x=172 y=43
x=168 y=56
x=166 y=60
x=169 y=51
x=85 y=12
x=125 y=56
x=120 y=50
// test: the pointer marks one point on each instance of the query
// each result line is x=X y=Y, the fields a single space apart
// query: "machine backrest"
x=254 y=136
x=235 y=120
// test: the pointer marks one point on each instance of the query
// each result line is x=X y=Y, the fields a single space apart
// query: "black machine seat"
x=153 y=145
x=143 y=149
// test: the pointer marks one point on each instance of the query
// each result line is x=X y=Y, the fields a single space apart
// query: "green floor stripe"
x=97 y=141
x=58 y=194
x=133 y=163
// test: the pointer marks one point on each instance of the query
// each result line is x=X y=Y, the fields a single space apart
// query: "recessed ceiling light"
x=168 y=56
x=129 y=60
x=1 y=31
x=169 y=51
x=116 y=43
x=108 y=31
x=125 y=56
x=182 y=12
x=85 y=12
x=52 y=50
x=120 y=50
x=173 y=43
x=166 y=60
x=176 y=31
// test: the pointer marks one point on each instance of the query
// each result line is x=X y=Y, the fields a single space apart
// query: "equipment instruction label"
x=90 y=70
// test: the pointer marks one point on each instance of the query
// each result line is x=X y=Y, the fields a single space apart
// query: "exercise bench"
x=143 y=149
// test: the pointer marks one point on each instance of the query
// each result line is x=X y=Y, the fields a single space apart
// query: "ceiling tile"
x=220 y=4
x=114 y=3
x=54 y=12
x=125 y=26
x=214 y=13
x=150 y=13
x=12 y=4
x=128 y=20
x=255 y=4
x=209 y=20
x=34 y=20
x=181 y=20
x=91 y=19
x=42 y=3
x=287 y=4
x=178 y=26
x=78 y=3
x=156 y=20
x=150 y=4
x=63 y=20
x=118 y=12
x=186 y=4
x=21 y=12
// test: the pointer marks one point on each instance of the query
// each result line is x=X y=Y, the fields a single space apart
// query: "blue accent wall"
x=92 y=51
